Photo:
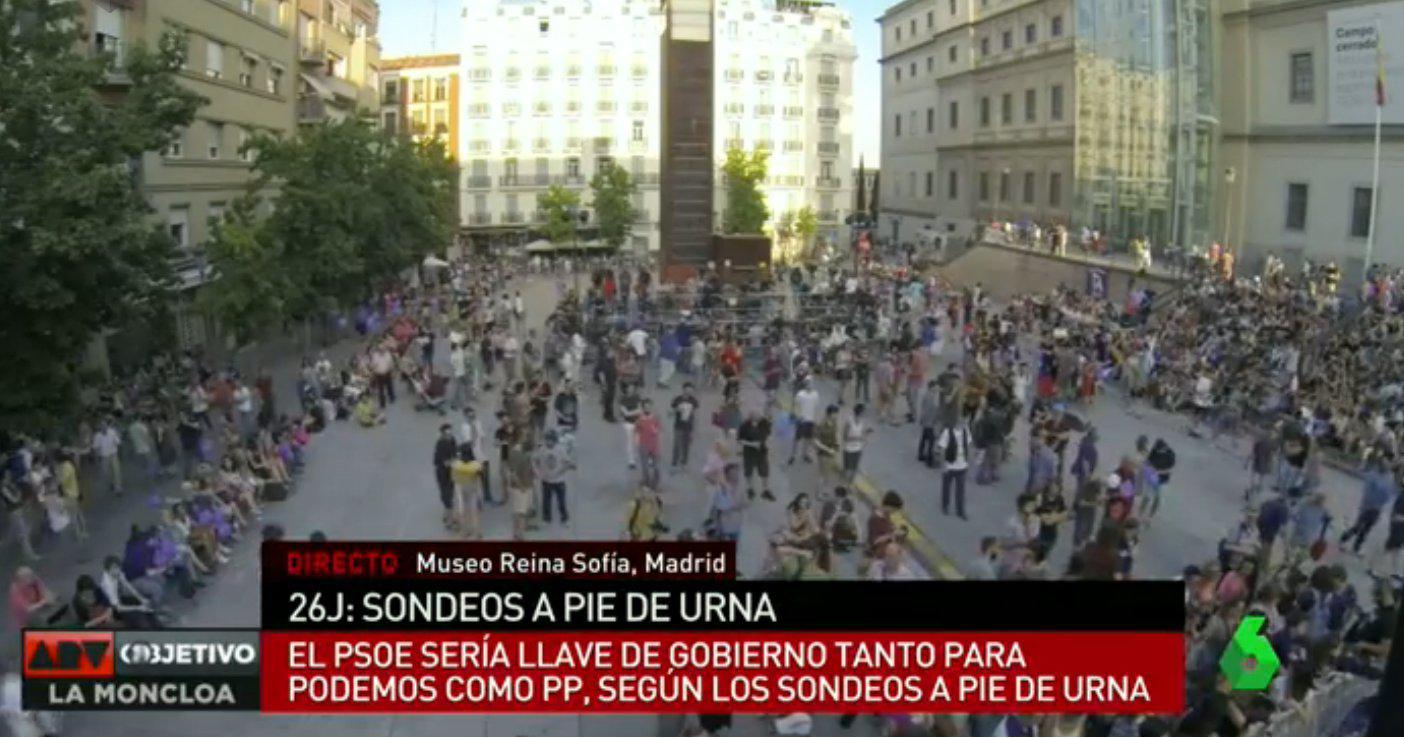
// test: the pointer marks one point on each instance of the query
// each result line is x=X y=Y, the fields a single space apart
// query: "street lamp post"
x=1230 y=174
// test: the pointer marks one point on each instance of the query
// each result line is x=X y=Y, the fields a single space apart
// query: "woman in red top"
x=31 y=603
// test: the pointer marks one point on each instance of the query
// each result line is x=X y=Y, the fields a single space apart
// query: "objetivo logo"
x=1249 y=661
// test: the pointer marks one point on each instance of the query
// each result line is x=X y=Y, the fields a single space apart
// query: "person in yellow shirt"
x=467 y=495
x=67 y=475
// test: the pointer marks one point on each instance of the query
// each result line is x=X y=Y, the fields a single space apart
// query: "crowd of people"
x=794 y=374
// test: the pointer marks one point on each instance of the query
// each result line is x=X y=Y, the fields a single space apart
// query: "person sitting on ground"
x=367 y=414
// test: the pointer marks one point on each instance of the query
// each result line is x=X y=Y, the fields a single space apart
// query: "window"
x=417 y=94
x=178 y=225
x=176 y=149
x=912 y=73
x=440 y=89
x=930 y=19
x=930 y=64
x=1031 y=33
x=899 y=74
x=246 y=152
x=1006 y=40
x=390 y=122
x=638 y=134
x=952 y=185
x=573 y=167
x=1303 y=78
x=897 y=122
x=1055 y=26
x=246 y=77
x=911 y=184
x=984 y=186
x=953 y=7
x=1360 y=205
x=951 y=53
x=247 y=5
x=953 y=110
x=1028 y=188
x=1006 y=108
x=275 y=81
x=214 y=59
x=216 y=133
x=392 y=90
x=914 y=27
x=1004 y=186
x=1296 y=206
x=984 y=112
x=1030 y=105
x=1055 y=102
x=985 y=46
x=899 y=33
x=930 y=119
x=1055 y=189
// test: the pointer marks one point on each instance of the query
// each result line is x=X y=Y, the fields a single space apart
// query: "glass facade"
x=1146 y=124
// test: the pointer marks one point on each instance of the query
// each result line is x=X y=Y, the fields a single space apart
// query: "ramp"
x=1006 y=271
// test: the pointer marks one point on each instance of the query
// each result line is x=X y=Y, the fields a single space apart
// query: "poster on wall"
x=1360 y=38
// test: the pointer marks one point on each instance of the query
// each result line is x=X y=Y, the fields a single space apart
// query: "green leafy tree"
x=806 y=225
x=613 y=192
x=785 y=225
x=248 y=291
x=559 y=203
x=81 y=250
x=746 y=211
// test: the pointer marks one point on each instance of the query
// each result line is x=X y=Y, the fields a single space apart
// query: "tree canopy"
x=746 y=211
x=356 y=206
x=613 y=191
x=82 y=253
x=559 y=204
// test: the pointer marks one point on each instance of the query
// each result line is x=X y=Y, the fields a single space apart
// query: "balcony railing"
x=543 y=73
x=828 y=216
x=764 y=75
x=793 y=78
x=541 y=108
x=602 y=144
x=479 y=218
x=510 y=180
x=765 y=144
x=638 y=108
x=605 y=106
x=794 y=111
x=480 y=74
x=311 y=110
x=514 y=75
x=479 y=145
x=735 y=109
x=569 y=180
x=479 y=110
x=829 y=183
x=539 y=216
x=513 y=218
x=640 y=74
x=511 y=110
x=735 y=75
x=511 y=144
x=828 y=80
x=478 y=182
x=645 y=179
x=605 y=71
x=764 y=110
x=541 y=144
x=312 y=51
x=793 y=146
x=828 y=147
x=734 y=143
x=642 y=217
x=828 y=113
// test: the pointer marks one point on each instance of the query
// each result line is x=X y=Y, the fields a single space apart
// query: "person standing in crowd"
x=461 y=393
x=630 y=408
x=684 y=421
x=382 y=375
x=1379 y=491
x=551 y=464
x=953 y=448
x=806 y=417
x=725 y=513
x=855 y=437
x=647 y=432
x=144 y=447
x=445 y=451
x=927 y=416
x=467 y=498
x=567 y=407
x=471 y=438
x=107 y=446
x=754 y=438
x=668 y=352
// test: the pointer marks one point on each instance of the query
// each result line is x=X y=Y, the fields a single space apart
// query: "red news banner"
x=411 y=639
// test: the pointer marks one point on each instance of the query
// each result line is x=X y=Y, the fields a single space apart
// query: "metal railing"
x=828 y=80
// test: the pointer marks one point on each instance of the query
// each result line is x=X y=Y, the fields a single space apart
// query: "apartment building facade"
x=419 y=97
x=552 y=89
x=1056 y=111
x=1298 y=139
x=338 y=59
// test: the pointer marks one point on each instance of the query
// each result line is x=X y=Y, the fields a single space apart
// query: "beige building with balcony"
x=242 y=58
x=339 y=59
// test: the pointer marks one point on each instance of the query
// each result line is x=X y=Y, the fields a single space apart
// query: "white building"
x=1298 y=120
x=554 y=88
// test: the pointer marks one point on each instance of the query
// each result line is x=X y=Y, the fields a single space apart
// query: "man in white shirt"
x=638 y=343
x=953 y=451
x=854 y=437
x=107 y=446
x=806 y=416
x=461 y=393
x=382 y=365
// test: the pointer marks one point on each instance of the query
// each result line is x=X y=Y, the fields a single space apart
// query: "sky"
x=407 y=27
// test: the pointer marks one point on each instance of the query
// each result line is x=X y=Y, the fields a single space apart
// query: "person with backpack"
x=1159 y=462
x=953 y=447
